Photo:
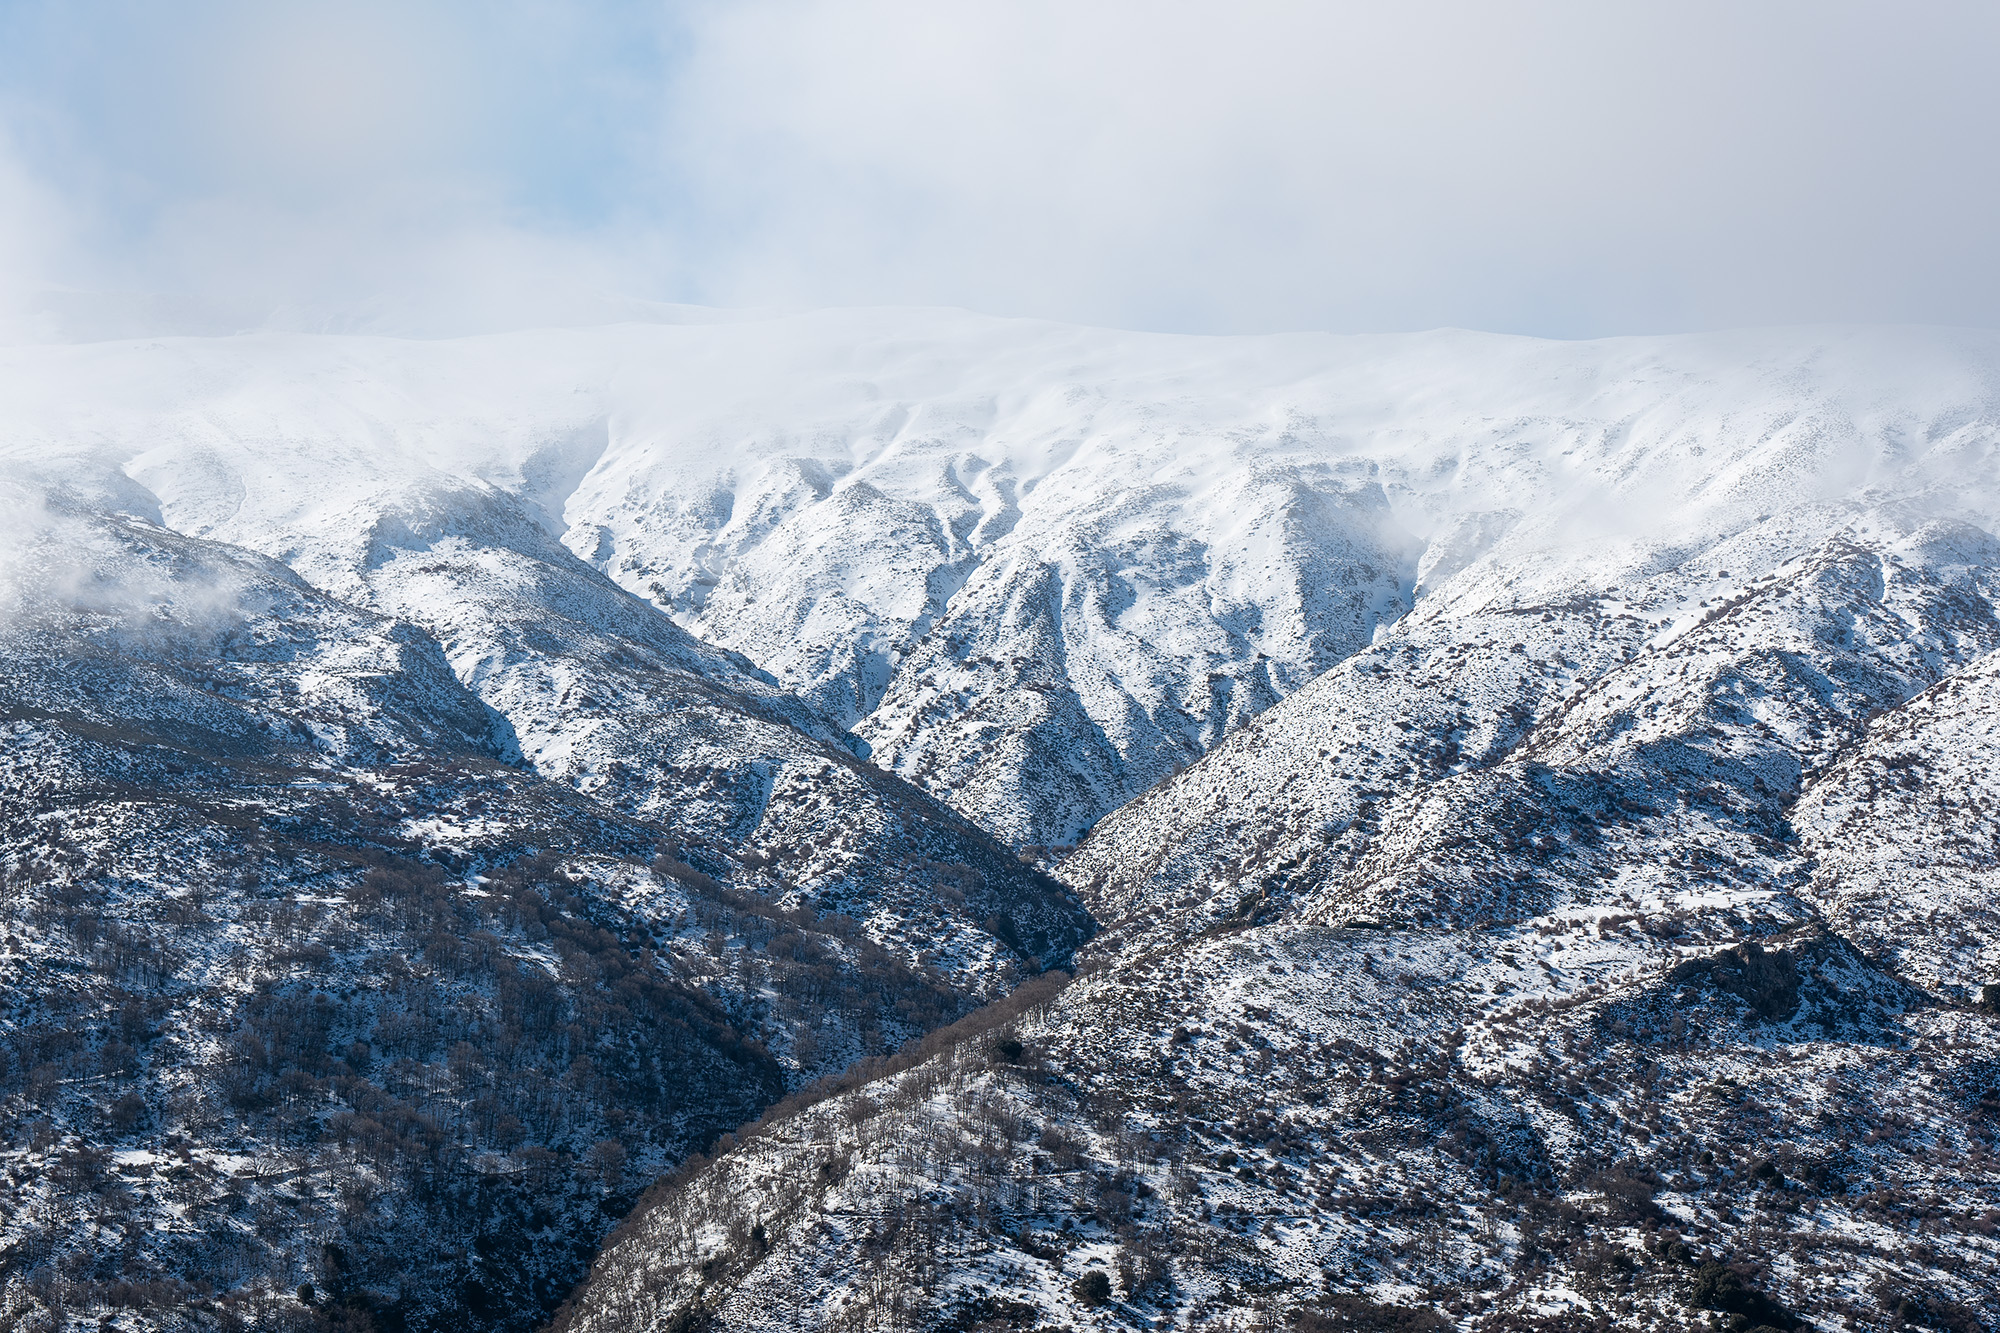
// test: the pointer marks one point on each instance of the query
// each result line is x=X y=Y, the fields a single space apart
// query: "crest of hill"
x=1031 y=567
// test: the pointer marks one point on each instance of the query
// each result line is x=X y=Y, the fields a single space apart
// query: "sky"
x=1559 y=169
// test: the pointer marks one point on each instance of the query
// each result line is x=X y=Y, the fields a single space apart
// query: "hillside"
x=309 y=979
x=1678 y=1001
x=1518 y=816
x=1032 y=567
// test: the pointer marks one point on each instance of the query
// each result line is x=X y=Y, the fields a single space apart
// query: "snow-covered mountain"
x=1587 y=734
x=998 y=548
x=1525 y=789
x=1546 y=964
x=300 y=960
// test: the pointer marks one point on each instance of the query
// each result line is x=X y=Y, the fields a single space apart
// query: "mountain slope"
x=308 y=979
x=1556 y=891
x=1481 y=984
x=1583 y=733
x=602 y=691
x=1600 y=944
x=1035 y=567
x=1573 y=1124
x=1903 y=830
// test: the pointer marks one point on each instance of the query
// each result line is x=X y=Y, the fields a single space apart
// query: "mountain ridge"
x=727 y=464
x=1532 y=796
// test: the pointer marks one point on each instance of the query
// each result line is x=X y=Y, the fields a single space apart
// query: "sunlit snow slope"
x=1034 y=568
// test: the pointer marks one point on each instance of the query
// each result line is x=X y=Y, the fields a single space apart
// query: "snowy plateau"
x=897 y=819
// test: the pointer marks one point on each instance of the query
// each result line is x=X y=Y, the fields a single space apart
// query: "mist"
x=1559 y=169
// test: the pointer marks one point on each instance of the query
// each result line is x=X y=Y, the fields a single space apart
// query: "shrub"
x=1092 y=1289
x=1356 y=1314
x=1718 y=1287
x=1628 y=1193
x=128 y=1111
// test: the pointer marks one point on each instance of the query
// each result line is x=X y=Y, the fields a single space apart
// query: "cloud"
x=32 y=248
x=1551 y=167
x=434 y=165
x=1560 y=168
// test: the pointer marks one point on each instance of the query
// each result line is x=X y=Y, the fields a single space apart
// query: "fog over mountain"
x=878 y=817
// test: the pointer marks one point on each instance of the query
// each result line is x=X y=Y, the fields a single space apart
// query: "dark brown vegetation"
x=443 y=1097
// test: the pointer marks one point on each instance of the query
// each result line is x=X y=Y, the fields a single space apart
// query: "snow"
x=1104 y=550
x=1442 y=716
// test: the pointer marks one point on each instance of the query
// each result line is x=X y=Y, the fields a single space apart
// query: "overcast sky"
x=1560 y=169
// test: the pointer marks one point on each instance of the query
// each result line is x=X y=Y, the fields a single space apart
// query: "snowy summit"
x=902 y=819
